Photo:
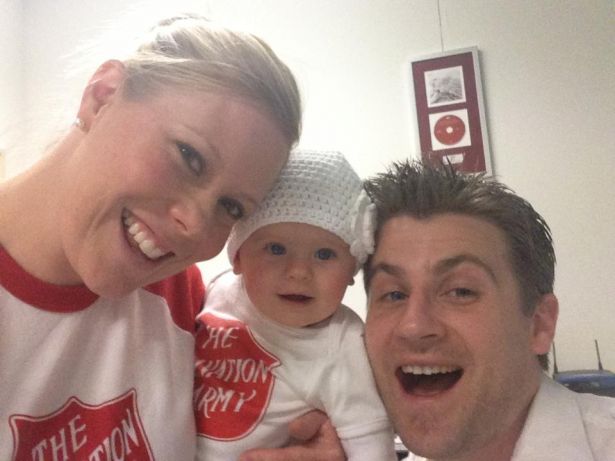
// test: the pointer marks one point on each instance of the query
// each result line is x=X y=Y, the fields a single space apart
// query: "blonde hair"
x=188 y=51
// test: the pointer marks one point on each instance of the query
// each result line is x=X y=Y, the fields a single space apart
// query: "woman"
x=171 y=146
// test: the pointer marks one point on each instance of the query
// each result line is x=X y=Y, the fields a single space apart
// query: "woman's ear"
x=101 y=89
x=237 y=263
x=544 y=320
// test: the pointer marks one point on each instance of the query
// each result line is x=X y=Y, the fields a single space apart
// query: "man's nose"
x=420 y=319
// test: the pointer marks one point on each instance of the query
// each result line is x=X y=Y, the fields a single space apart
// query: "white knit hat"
x=317 y=188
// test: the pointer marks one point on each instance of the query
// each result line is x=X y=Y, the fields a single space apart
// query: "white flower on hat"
x=363 y=226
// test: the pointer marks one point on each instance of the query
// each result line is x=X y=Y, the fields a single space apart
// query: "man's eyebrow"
x=389 y=269
x=440 y=268
x=450 y=263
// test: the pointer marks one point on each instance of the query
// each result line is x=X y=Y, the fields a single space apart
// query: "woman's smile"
x=139 y=236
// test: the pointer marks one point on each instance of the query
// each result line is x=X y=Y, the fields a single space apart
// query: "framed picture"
x=451 y=120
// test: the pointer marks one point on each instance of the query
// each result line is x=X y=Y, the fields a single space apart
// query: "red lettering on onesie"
x=78 y=431
x=233 y=379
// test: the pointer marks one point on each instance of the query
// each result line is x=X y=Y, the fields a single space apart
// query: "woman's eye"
x=276 y=249
x=233 y=208
x=191 y=157
x=325 y=254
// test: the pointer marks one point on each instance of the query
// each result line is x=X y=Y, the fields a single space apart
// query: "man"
x=461 y=315
x=460 y=320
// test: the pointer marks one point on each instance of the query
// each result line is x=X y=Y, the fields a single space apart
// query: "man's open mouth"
x=427 y=381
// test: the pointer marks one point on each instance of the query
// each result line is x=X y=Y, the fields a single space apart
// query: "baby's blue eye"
x=325 y=254
x=276 y=249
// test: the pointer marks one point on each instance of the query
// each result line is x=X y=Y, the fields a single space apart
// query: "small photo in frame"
x=445 y=86
x=451 y=121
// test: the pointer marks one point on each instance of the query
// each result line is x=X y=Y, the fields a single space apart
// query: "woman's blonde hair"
x=189 y=51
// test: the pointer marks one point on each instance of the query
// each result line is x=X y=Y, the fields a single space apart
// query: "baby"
x=274 y=340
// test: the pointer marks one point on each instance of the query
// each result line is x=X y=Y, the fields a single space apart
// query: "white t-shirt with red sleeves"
x=253 y=376
x=87 y=378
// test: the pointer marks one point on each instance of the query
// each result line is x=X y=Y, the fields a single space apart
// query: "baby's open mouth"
x=138 y=235
x=428 y=381
x=296 y=298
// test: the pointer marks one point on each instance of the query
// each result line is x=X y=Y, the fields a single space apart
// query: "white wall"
x=547 y=67
x=11 y=88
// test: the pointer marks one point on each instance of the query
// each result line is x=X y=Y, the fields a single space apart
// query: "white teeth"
x=418 y=370
x=134 y=229
x=155 y=254
x=150 y=249
x=141 y=237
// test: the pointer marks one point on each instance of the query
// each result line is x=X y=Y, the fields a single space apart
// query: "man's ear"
x=544 y=320
x=101 y=89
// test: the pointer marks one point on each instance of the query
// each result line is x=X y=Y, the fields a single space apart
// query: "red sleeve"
x=185 y=294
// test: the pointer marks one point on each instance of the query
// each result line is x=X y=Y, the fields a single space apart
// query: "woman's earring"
x=79 y=123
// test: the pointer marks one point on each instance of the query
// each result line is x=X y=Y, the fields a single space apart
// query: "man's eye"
x=325 y=254
x=233 y=208
x=395 y=296
x=276 y=249
x=191 y=157
x=462 y=293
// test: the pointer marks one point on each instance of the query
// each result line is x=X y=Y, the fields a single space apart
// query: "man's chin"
x=430 y=441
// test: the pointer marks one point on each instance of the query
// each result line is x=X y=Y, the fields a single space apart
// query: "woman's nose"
x=190 y=218
x=202 y=231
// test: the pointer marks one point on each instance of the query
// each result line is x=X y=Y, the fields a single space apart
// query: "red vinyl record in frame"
x=449 y=129
x=451 y=120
